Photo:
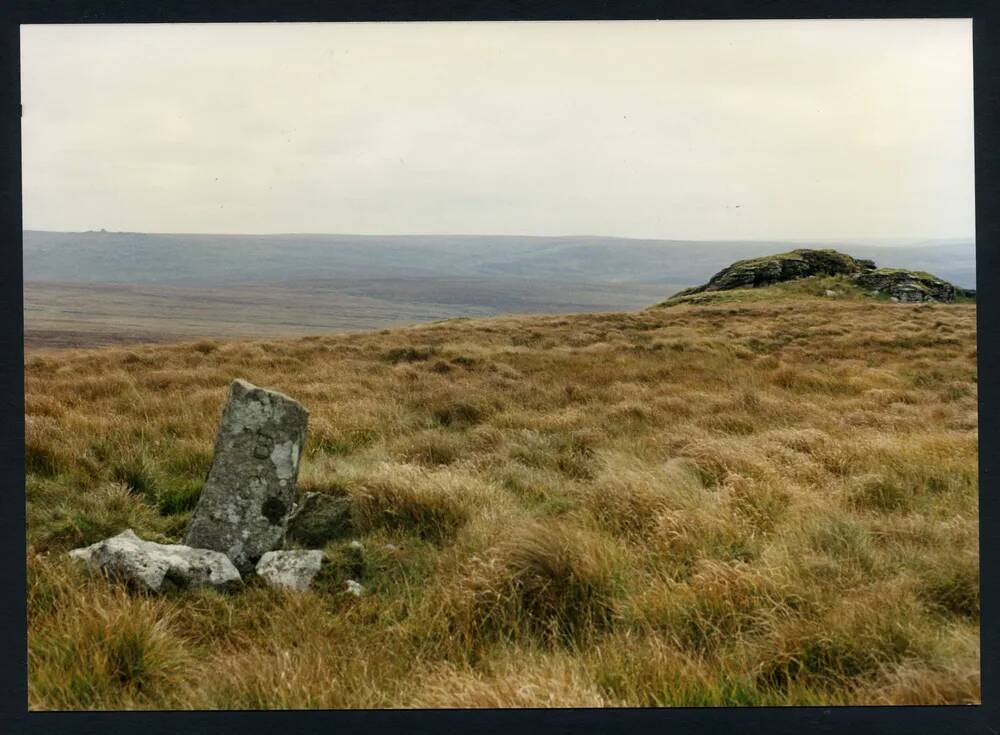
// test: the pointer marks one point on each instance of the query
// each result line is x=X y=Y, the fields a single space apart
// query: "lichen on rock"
x=291 y=570
x=157 y=567
x=243 y=509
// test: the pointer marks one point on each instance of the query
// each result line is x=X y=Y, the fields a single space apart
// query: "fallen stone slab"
x=159 y=567
x=291 y=570
x=244 y=506
x=318 y=518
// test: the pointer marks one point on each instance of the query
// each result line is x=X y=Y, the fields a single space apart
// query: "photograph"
x=500 y=364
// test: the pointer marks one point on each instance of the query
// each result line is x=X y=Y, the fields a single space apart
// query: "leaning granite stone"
x=318 y=518
x=244 y=506
x=292 y=570
x=158 y=567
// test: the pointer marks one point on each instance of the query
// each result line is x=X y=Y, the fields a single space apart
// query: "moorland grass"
x=770 y=501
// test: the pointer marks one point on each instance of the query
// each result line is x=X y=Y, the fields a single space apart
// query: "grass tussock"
x=750 y=499
x=553 y=584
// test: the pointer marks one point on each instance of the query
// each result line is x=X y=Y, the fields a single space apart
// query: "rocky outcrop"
x=898 y=284
x=244 y=506
x=906 y=285
x=158 y=567
x=771 y=269
x=291 y=570
x=318 y=518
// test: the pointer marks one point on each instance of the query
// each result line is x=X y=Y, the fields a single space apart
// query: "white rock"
x=356 y=545
x=829 y=292
x=157 y=567
x=355 y=588
x=292 y=570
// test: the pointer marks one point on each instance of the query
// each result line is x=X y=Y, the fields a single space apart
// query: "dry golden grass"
x=769 y=502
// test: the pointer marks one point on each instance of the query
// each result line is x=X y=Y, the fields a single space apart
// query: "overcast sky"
x=688 y=130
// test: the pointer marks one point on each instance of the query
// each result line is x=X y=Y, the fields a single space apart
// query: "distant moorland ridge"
x=128 y=257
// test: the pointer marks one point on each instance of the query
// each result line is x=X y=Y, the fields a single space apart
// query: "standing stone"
x=243 y=508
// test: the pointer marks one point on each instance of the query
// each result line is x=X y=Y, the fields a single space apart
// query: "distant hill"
x=111 y=257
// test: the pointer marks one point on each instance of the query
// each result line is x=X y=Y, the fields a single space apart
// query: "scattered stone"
x=355 y=588
x=908 y=286
x=320 y=517
x=244 y=506
x=158 y=567
x=293 y=570
x=357 y=545
x=830 y=292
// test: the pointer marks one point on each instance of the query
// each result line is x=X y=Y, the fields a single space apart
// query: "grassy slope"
x=102 y=314
x=766 y=502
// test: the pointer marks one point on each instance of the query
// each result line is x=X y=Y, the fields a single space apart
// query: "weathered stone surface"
x=318 y=518
x=907 y=286
x=771 y=269
x=157 y=567
x=244 y=506
x=293 y=570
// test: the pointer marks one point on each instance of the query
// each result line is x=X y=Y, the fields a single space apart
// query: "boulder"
x=158 y=567
x=292 y=570
x=318 y=518
x=906 y=285
x=244 y=505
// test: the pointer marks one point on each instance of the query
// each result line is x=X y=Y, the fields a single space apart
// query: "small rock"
x=244 y=506
x=157 y=567
x=292 y=570
x=831 y=293
x=391 y=547
x=357 y=545
x=320 y=517
x=355 y=588
x=893 y=299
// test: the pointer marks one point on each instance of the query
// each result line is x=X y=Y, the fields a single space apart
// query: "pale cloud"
x=716 y=129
